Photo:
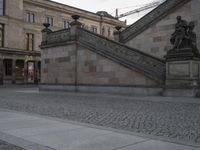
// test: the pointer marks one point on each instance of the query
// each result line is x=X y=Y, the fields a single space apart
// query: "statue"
x=184 y=41
x=184 y=37
x=179 y=34
x=192 y=38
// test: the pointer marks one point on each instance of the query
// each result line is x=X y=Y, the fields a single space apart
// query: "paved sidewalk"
x=45 y=133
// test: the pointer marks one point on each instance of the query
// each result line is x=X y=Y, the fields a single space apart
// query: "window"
x=29 y=41
x=8 y=67
x=2 y=7
x=103 y=31
x=82 y=25
x=49 y=20
x=86 y=27
x=1 y=35
x=19 y=70
x=30 y=17
x=94 y=29
x=66 y=24
x=109 y=32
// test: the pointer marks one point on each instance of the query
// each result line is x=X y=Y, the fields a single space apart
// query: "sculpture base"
x=182 y=54
x=183 y=73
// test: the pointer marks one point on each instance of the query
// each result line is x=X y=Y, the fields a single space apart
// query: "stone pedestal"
x=183 y=67
x=183 y=73
x=117 y=33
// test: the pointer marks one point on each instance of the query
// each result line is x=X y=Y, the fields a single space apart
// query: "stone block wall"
x=58 y=65
x=185 y=72
x=157 y=37
x=95 y=69
x=72 y=64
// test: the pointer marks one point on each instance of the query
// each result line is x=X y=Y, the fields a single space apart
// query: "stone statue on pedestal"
x=183 y=60
x=183 y=40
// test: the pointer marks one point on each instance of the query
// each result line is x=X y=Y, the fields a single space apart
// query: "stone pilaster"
x=117 y=33
x=45 y=32
x=36 y=72
x=25 y=72
x=74 y=25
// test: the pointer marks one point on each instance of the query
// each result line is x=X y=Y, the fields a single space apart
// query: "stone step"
x=193 y=92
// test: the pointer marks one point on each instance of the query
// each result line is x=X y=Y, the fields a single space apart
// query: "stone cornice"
x=151 y=18
x=72 y=10
x=19 y=52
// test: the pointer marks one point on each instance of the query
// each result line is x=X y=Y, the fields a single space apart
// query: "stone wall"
x=156 y=39
x=13 y=26
x=58 y=65
x=72 y=64
x=95 y=69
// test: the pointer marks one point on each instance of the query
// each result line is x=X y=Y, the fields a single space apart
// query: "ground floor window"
x=8 y=67
x=19 y=68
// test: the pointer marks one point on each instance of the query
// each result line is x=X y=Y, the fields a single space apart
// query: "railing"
x=58 y=36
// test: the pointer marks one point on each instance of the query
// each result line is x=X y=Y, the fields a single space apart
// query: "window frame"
x=29 y=37
x=28 y=15
x=94 y=29
x=66 y=22
x=50 y=20
x=4 y=8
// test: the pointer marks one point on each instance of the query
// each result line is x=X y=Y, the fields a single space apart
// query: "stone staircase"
x=115 y=51
x=122 y=54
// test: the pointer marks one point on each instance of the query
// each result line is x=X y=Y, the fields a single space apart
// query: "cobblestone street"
x=7 y=146
x=173 y=118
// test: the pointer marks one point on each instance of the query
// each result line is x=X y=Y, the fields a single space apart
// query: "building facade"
x=20 y=34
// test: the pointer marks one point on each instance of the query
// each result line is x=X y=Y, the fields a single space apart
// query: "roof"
x=151 y=18
x=105 y=14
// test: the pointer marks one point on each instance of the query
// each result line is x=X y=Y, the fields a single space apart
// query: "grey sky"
x=109 y=6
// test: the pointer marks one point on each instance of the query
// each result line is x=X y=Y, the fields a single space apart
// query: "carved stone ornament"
x=46 y=29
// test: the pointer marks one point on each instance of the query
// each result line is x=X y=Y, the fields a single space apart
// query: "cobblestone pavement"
x=7 y=146
x=176 y=120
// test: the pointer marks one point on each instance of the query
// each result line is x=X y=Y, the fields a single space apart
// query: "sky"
x=110 y=6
